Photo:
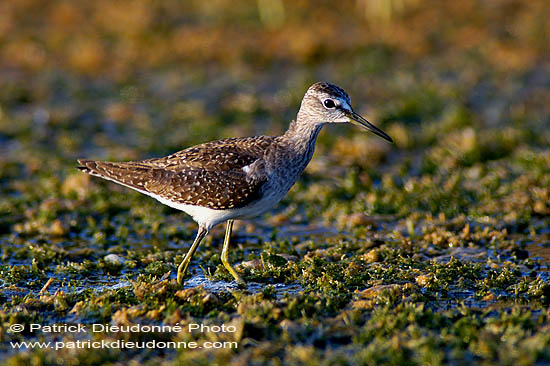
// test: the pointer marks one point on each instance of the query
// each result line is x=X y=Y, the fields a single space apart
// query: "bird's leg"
x=225 y=249
x=182 y=269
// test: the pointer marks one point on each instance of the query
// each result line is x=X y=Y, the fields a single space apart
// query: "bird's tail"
x=127 y=174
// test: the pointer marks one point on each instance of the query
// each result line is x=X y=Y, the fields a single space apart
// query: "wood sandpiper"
x=234 y=178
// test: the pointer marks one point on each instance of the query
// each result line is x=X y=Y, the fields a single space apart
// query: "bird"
x=234 y=178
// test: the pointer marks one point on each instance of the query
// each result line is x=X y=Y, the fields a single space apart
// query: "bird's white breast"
x=209 y=217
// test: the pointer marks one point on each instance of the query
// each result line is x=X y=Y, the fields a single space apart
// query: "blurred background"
x=458 y=85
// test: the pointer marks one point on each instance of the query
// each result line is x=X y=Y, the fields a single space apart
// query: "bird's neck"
x=301 y=138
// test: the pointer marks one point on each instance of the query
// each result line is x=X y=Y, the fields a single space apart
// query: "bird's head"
x=328 y=103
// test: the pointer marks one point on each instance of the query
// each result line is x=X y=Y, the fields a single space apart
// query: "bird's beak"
x=361 y=122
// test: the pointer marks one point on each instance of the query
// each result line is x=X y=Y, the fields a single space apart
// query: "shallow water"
x=99 y=281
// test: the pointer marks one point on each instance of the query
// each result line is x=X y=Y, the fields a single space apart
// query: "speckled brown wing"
x=226 y=154
x=209 y=175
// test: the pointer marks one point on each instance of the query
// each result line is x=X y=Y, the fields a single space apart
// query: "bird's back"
x=223 y=174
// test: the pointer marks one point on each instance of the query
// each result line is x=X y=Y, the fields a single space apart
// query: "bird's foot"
x=182 y=271
x=234 y=273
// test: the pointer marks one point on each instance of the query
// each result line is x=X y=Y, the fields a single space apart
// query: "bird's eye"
x=329 y=103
